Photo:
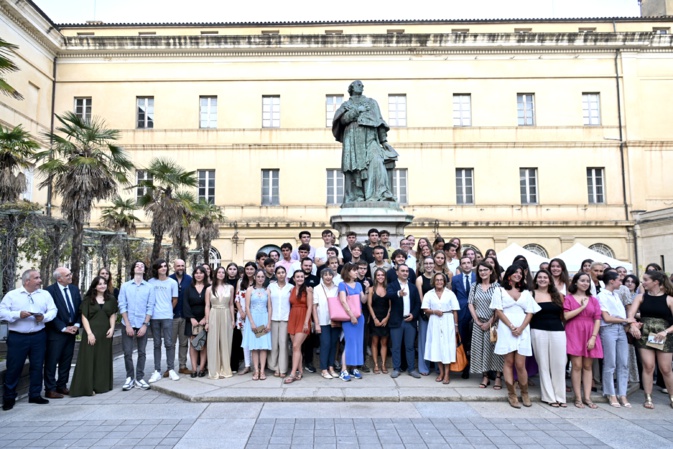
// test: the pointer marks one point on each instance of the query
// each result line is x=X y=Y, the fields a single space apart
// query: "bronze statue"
x=367 y=160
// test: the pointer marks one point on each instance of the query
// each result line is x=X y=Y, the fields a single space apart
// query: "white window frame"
x=591 y=108
x=462 y=110
x=397 y=110
x=83 y=107
x=208 y=112
x=146 y=105
x=596 y=185
x=270 y=191
x=332 y=103
x=335 y=186
x=401 y=185
x=271 y=111
x=142 y=175
x=206 y=189
x=525 y=109
x=528 y=185
x=464 y=185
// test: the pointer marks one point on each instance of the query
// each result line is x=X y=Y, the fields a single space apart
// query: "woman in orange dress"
x=299 y=323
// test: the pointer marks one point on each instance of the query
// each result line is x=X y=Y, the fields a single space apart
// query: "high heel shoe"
x=671 y=399
x=202 y=373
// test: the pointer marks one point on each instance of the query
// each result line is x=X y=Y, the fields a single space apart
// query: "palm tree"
x=7 y=66
x=17 y=152
x=160 y=200
x=85 y=166
x=206 y=226
x=180 y=231
x=119 y=217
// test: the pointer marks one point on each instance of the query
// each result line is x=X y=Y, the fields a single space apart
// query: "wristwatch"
x=147 y=324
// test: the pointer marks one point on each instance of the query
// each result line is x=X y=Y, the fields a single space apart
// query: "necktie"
x=68 y=303
x=467 y=282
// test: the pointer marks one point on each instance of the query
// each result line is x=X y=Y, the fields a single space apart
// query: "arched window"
x=268 y=248
x=603 y=249
x=537 y=249
x=466 y=246
x=214 y=256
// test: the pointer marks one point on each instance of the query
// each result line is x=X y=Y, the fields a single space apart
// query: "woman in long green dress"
x=93 y=372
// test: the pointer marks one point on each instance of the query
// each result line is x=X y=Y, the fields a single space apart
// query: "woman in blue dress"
x=258 y=313
x=354 y=330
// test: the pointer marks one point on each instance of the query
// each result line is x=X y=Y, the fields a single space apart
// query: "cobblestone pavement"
x=149 y=419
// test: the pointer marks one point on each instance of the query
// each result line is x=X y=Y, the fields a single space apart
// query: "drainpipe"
x=621 y=132
x=51 y=127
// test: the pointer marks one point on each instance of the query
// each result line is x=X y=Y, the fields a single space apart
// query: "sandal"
x=298 y=376
x=245 y=371
x=648 y=402
x=276 y=374
x=486 y=383
x=333 y=374
x=255 y=375
x=376 y=369
x=283 y=375
x=384 y=370
x=446 y=381
x=326 y=375
x=498 y=378
x=554 y=404
x=579 y=404
x=262 y=376
x=439 y=378
x=288 y=380
x=589 y=403
x=563 y=405
x=614 y=402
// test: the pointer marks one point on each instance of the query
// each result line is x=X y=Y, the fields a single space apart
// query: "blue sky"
x=74 y=11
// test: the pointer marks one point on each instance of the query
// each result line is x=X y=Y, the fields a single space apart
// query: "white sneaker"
x=156 y=376
x=130 y=383
x=173 y=375
x=142 y=384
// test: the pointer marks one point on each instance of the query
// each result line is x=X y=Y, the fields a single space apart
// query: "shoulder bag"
x=337 y=311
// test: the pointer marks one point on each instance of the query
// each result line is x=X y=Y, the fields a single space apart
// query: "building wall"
x=428 y=64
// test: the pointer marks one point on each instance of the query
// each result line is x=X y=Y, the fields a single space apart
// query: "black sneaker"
x=8 y=404
x=38 y=400
x=309 y=368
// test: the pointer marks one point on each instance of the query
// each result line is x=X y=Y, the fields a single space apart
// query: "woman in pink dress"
x=582 y=313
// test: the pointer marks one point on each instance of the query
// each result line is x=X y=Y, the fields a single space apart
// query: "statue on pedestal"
x=367 y=160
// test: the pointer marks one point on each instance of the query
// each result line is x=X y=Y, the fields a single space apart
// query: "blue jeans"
x=615 y=357
x=329 y=337
x=405 y=333
x=423 y=365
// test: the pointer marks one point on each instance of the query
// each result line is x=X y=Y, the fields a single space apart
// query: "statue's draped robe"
x=363 y=159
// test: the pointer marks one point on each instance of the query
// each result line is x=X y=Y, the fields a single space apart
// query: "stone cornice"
x=361 y=44
x=34 y=23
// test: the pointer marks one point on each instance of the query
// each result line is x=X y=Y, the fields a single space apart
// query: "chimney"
x=655 y=8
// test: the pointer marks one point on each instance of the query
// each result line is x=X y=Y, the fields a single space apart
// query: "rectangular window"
x=147 y=33
x=207 y=185
x=400 y=185
x=587 y=29
x=522 y=30
x=335 y=186
x=591 y=109
x=208 y=112
x=270 y=196
x=397 y=110
x=334 y=32
x=596 y=185
x=464 y=186
x=462 y=113
x=460 y=30
x=145 y=119
x=142 y=175
x=271 y=111
x=528 y=185
x=209 y=33
x=332 y=103
x=661 y=30
x=525 y=106
x=83 y=108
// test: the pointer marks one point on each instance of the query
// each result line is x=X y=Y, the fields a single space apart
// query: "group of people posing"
x=419 y=304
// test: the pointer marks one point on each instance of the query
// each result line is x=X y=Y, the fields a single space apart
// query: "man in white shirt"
x=321 y=252
x=305 y=239
x=26 y=309
x=165 y=298
x=452 y=261
x=379 y=261
x=405 y=246
x=303 y=251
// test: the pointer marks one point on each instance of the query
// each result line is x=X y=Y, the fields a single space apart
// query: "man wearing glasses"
x=26 y=309
x=61 y=333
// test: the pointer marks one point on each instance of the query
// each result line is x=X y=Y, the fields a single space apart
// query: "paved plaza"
x=149 y=419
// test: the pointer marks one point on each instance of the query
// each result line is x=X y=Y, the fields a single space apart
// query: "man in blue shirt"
x=184 y=281
x=165 y=299
x=136 y=304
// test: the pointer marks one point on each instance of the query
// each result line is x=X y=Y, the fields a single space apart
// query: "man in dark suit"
x=461 y=285
x=404 y=311
x=61 y=333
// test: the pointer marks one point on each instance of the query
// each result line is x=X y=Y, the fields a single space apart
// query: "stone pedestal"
x=361 y=217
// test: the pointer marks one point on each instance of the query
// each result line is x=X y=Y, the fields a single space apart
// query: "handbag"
x=461 y=358
x=260 y=331
x=197 y=329
x=493 y=333
x=337 y=311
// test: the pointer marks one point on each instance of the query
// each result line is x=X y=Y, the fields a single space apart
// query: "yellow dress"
x=220 y=334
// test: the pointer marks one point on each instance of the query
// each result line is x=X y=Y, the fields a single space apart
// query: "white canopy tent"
x=507 y=255
x=574 y=256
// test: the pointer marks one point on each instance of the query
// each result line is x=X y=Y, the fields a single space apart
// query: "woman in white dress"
x=441 y=305
x=514 y=307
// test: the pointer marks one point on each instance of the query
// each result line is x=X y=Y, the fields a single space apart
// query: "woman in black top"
x=549 y=340
x=656 y=314
x=379 y=310
x=232 y=278
x=194 y=309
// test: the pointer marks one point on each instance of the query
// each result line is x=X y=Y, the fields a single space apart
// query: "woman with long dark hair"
x=232 y=279
x=514 y=307
x=299 y=323
x=194 y=310
x=247 y=279
x=582 y=313
x=220 y=325
x=493 y=255
x=354 y=330
x=107 y=275
x=656 y=313
x=93 y=372
x=379 y=310
x=549 y=339
x=559 y=275
x=329 y=335
x=280 y=314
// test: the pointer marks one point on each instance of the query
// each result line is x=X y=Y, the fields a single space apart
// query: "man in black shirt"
x=351 y=240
